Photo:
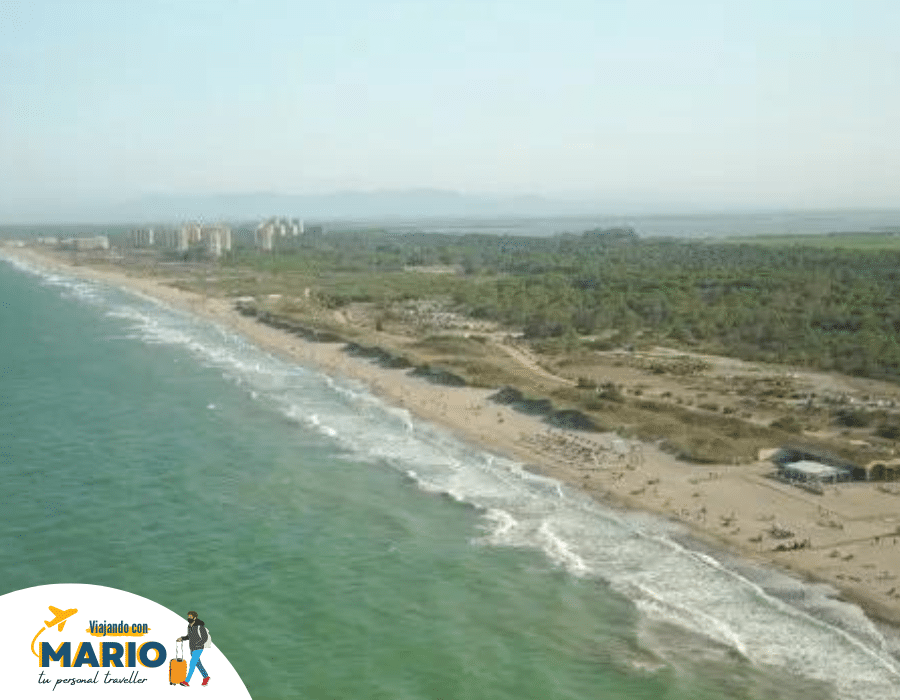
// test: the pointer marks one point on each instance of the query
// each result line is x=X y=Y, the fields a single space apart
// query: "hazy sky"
x=755 y=103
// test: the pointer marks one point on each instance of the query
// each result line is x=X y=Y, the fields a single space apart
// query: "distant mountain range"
x=444 y=211
x=384 y=204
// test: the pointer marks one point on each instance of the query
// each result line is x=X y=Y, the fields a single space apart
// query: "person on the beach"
x=196 y=636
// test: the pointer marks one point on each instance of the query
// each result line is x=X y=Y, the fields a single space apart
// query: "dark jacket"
x=196 y=635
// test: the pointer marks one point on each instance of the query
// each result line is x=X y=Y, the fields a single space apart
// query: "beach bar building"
x=797 y=464
x=806 y=470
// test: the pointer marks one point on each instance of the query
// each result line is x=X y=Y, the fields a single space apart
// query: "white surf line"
x=888 y=664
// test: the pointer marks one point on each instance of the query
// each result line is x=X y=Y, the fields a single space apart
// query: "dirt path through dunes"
x=527 y=360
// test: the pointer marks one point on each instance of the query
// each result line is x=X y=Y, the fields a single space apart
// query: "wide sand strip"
x=848 y=536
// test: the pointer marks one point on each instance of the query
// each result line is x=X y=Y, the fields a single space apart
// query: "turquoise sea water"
x=340 y=549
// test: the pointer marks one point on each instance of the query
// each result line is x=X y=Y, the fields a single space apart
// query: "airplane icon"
x=61 y=617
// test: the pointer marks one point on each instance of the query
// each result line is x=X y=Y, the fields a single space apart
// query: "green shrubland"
x=829 y=308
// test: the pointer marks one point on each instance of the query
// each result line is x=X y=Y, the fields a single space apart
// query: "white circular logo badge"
x=79 y=640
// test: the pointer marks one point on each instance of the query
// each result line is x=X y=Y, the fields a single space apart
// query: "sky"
x=788 y=103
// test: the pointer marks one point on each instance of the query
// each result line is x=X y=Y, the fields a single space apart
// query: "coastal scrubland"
x=715 y=349
x=811 y=302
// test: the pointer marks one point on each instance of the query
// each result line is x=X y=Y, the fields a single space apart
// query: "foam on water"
x=728 y=602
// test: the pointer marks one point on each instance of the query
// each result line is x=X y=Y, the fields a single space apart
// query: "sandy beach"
x=848 y=536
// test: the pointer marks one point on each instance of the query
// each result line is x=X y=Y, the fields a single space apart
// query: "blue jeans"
x=195 y=661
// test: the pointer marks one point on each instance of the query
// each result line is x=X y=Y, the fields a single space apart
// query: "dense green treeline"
x=828 y=308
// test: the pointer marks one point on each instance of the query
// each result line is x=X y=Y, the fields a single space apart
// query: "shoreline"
x=852 y=527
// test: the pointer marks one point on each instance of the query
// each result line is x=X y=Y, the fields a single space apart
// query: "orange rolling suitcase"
x=177 y=666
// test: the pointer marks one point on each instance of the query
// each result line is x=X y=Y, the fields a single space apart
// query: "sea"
x=340 y=548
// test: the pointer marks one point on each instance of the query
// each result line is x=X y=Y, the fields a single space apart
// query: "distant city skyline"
x=639 y=106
